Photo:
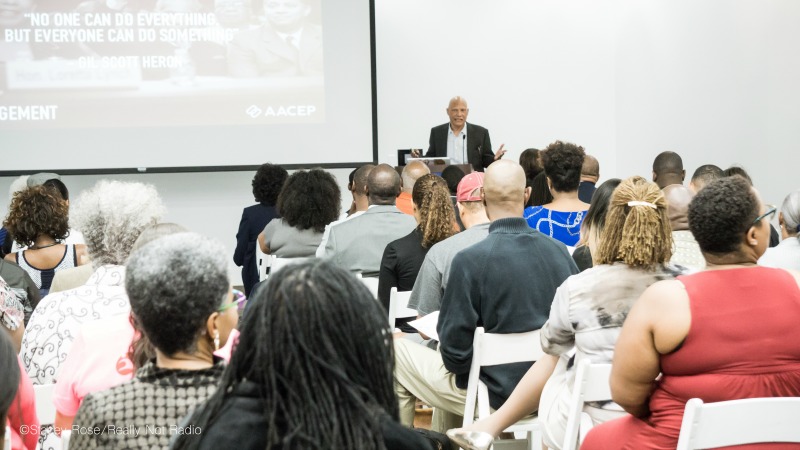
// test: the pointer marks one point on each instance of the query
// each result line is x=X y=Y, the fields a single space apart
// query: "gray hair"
x=112 y=214
x=174 y=284
x=791 y=212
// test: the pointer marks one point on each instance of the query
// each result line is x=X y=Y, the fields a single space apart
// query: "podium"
x=437 y=165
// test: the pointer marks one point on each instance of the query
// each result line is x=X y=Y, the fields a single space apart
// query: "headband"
x=648 y=204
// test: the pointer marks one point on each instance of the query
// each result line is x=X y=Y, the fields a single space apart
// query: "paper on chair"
x=427 y=325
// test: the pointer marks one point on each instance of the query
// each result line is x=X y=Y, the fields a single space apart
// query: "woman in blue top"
x=561 y=219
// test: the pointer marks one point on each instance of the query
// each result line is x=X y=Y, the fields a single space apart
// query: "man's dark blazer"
x=479 y=147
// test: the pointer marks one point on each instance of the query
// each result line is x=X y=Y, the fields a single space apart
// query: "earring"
x=216 y=340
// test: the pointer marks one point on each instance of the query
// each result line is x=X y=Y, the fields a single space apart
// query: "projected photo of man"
x=287 y=44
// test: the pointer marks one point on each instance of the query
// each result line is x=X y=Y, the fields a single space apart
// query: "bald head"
x=412 y=172
x=504 y=191
x=383 y=185
x=678 y=198
x=590 y=171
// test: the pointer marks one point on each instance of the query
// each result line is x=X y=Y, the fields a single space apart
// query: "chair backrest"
x=65 y=437
x=45 y=408
x=398 y=306
x=591 y=385
x=736 y=422
x=490 y=349
x=372 y=284
x=7 y=439
x=262 y=262
x=277 y=263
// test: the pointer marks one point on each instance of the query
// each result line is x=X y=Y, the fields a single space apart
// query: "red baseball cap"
x=468 y=185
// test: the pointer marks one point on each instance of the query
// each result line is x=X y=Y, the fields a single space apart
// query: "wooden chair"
x=591 y=385
x=737 y=422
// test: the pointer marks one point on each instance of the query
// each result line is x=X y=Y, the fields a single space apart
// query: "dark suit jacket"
x=254 y=219
x=479 y=147
x=261 y=52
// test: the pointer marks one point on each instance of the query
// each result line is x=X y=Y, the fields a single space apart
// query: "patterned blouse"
x=561 y=226
x=146 y=412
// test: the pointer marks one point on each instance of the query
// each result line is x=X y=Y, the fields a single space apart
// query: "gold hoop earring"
x=216 y=340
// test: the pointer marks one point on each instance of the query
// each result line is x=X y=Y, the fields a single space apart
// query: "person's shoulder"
x=440 y=128
x=474 y=127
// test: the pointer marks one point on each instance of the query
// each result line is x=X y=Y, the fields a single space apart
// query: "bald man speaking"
x=462 y=142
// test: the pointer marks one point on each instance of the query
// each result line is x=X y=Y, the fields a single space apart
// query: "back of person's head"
x=529 y=160
x=58 y=187
x=17 y=185
x=350 y=179
x=705 y=174
x=174 y=284
x=590 y=168
x=504 y=189
x=156 y=231
x=468 y=193
x=562 y=164
x=737 y=170
x=309 y=200
x=412 y=172
x=595 y=219
x=452 y=175
x=637 y=230
x=314 y=381
x=360 y=179
x=790 y=213
x=678 y=198
x=267 y=183
x=721 y=214
x=383 y=185
x=112 y=214
x=668 y=163
x=35 y=211
x=9 y=378
x=540 y=190
x=435 y=209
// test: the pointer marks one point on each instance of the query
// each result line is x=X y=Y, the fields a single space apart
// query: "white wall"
x=714 y=80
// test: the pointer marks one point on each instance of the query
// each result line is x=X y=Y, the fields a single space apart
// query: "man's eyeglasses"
x=771 y=209
x=239 y=301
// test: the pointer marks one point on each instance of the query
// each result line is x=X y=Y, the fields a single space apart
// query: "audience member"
x=504 y=283
x=588 y=311
x=590 y=173
x=540 y=190
x=668 y=169
x=357 y=244
x=713 y=335
x=102 y=353
x=561 y=219
x=308 y=201
x=426 y=297
x=267 y=185
x=186 y=311
x=453 y=175
x=313 y=390
x=593 y=224
x=6 y=240
x=12 y=315
x=22 y=285
x=17 y=402
x=350 y=186
x=54 y=183
x=38 y=219
x=703 y=175
x=774 y=237
x=411 y=174
x=685 y=250
x=360 y=204
x=403 y=257
x=531 y=162
x=786 y=255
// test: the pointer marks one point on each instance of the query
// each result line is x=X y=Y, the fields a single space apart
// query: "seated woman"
x=186 y=312
x=589 y=309
x=593 y=224
x=308 y=201
x=786 y=255
x=12 y=316
x=17 y=403
x=561 y=219
x=721 y=334
x=296 y=380
x=402 y=258
x=39 y=219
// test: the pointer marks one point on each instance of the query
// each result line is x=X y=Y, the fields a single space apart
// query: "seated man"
x=411 y=173
x=357 y=244
x=685 y=249
x=505 y=283
x=426 y=297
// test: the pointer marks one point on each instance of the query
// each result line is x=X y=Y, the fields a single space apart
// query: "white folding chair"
x=45 y=408
x=277 y=263
x=65 y=437
x=490 y=349
x=737 y=422
x=262 y=262
x=398 y=306
x=7 y=439
x=372 y=284
x=591 y=385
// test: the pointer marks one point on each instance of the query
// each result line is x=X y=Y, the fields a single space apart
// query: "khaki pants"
x=420 y=374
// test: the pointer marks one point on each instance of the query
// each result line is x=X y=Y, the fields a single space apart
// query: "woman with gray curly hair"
x=187 y=312
x=786 y=255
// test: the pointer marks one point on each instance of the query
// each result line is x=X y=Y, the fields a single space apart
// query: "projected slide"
x=161 y=63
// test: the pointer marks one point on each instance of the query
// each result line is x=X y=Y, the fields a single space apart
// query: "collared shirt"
x=457 y=145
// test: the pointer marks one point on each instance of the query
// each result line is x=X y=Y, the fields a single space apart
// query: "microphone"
x=464 y=149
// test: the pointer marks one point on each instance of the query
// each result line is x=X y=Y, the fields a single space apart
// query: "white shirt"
x=457 y=145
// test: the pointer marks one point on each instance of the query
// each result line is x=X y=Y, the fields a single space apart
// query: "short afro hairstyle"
x=721 y=213
x=310 y=200
x=35 y=211
x=562 y=163
x=174 y=284
x=268 y=182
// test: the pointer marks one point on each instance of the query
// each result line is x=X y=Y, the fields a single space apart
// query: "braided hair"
x=637 y=234
x=318 y=346
x=436 y=212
